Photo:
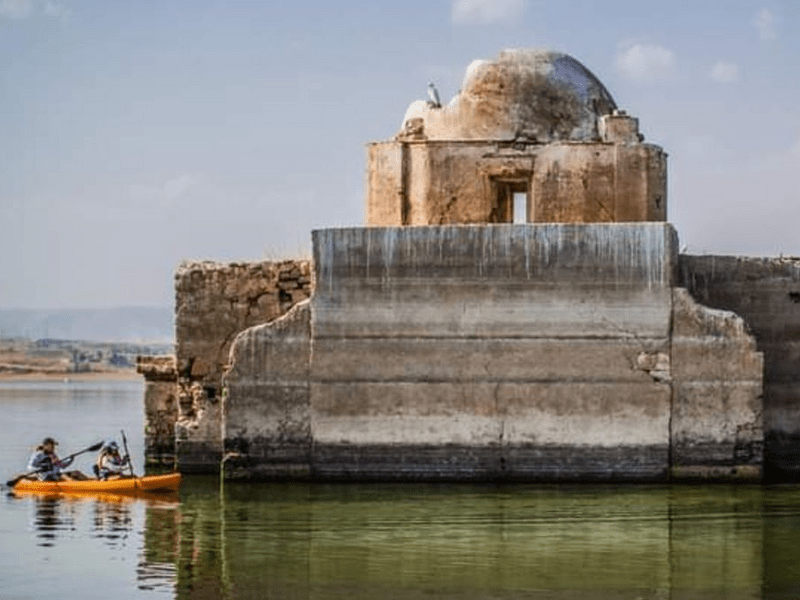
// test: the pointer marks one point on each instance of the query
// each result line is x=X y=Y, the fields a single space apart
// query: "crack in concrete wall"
x=388 y=394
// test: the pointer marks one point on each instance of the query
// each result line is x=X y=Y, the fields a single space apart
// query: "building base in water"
x=516 y=352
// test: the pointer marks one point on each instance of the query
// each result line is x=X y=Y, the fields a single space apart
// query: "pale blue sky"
x=137 y=134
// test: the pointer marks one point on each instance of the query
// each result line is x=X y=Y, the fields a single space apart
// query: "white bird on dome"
x=433 y=94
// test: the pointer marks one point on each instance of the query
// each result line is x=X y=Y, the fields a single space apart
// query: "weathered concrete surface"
x=490 y=352
x=160 y=408
x=765 y=292
x=717 y=375
x=214 y=302
x=267 y=426
x=531 y=352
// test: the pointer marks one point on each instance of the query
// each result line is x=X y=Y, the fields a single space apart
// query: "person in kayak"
x=109 y=463
x=45 y=464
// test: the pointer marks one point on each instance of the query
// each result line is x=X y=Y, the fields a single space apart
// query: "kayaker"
x=45 y=464
x=109 y=462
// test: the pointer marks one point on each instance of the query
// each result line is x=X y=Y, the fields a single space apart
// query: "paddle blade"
x=13 y=482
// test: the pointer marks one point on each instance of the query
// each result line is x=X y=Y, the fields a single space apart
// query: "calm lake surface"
x=372 y=541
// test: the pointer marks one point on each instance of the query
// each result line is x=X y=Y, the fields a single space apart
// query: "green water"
x=408 y=541
x=216 y=540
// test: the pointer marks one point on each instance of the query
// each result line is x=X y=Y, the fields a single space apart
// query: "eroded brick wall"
x=160 y=407
x=213 y=303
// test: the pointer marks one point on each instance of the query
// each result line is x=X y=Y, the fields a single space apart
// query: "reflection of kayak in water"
x=123 y=485
x=162 y=497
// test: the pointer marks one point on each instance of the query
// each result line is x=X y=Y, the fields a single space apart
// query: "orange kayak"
x=126 y=485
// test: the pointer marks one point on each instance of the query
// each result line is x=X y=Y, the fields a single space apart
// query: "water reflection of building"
x=159 y=556
x=304 y=541
x=185 y=540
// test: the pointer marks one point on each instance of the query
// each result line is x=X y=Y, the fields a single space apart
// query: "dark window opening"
x=512 y=203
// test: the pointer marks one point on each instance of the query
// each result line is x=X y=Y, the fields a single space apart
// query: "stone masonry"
x=160 y=408
x=214 y=302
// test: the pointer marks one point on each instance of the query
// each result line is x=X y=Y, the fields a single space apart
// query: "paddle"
x=125 y=443
x=92 y=448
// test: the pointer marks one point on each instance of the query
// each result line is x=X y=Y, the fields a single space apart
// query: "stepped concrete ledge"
x=494 y=352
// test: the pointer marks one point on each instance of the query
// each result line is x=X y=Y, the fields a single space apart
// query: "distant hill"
x=135 y=324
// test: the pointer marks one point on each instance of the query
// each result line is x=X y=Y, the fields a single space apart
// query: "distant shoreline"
x=68 y=360
x=121 y=375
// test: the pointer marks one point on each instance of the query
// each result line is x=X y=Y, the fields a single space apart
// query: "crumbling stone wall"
x=160 y=407
x=213 y=303
x=765 y=292
x=267 y=433
x=717 y=400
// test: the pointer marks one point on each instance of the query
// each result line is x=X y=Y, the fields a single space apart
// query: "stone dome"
x=530 y=95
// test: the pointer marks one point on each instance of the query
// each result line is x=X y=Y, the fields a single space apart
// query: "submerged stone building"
x=532 y=134
x=515 y=308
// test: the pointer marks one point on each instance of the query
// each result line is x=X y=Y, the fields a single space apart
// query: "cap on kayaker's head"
x=111 y=447
x=48 y=441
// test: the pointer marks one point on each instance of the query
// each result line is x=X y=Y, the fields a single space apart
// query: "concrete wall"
x=213 y=303
x=550 y=352
x=765 y=292
x=491 y=352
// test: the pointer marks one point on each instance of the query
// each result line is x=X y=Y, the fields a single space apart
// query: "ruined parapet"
x=532 y=136
x=717 y=403
x=214 y=303
x=765 y=292
x=267 y=424
x=160 y=408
